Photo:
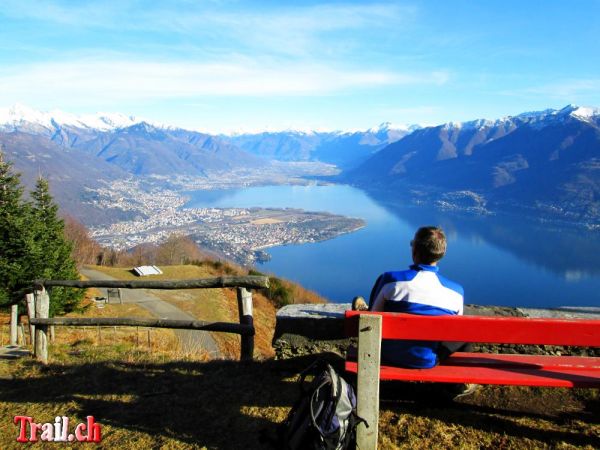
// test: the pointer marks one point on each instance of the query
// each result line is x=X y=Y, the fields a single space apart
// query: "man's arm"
x=376 y=299
x=379 y=303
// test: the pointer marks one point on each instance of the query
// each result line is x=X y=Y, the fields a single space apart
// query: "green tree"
x=32 y=242
x=15 y=237
x=50 y=256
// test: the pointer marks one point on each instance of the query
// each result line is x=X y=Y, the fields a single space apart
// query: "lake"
x=499 y=259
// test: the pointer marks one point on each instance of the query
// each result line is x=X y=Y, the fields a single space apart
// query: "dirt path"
x=13 y=352
x=191 y=340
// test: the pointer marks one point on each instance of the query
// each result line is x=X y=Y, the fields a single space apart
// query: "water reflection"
x=500 y=259
x=571 y=252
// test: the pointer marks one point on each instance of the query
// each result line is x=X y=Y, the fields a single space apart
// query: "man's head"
x=428 y=245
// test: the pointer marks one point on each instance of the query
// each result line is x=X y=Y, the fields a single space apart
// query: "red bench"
x=480 y=368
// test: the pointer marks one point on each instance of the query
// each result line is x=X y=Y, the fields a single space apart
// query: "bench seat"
x=479 y=368
x=505 y=369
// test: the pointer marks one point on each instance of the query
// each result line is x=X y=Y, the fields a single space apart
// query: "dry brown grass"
x=145 y=339
x=153 y=340
x=145 y=401
x=219 y=305
x=155 y=398
x=496 y=417
x=4 y=329
x=303 y=295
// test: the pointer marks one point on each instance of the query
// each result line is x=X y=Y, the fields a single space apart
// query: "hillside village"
x=239 y=234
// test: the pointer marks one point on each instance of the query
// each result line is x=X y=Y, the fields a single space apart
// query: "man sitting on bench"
x=418 y=290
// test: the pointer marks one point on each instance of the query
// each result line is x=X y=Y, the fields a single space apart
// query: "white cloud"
x=101 y=81
x=79 y=14
x=186 y=16
x=280 y=28
x=568 y=90
x=572 y=88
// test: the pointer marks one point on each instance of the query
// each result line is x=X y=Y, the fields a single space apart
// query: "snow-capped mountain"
x=129 y=143
x=540 y=160
x=389 y=126
x=81 y=153
x=345 y=149
x=580 y=112
x=546 y=160
x=23 y=118
x=538 y=119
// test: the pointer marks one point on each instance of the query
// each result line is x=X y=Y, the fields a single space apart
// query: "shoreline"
x=283 y=244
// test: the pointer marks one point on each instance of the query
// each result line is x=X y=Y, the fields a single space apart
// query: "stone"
x=306 y=329
x=303 y=329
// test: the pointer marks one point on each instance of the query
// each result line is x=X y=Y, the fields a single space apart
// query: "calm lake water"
x=500 y=260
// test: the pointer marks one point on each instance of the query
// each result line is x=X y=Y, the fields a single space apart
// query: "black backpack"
x=324 y=417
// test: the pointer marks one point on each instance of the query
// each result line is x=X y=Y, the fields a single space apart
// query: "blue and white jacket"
x=419 y=290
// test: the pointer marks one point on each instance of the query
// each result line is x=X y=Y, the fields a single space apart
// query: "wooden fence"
x=38 y=305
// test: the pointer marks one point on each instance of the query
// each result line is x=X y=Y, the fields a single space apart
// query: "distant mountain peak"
x=581 y=112
x=18 y=116
x=534 y=118
x=143 y=126
x=389 y=126
x=114 y=120
x=585 y=112
x=533 y=114
x=19 y=113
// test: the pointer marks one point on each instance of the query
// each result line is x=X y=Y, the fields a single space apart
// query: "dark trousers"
x=445 y=349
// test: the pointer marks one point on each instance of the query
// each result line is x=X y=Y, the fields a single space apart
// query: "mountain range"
x=546 y=162
x=345 y=149
x=134 y=146
x=79 y=154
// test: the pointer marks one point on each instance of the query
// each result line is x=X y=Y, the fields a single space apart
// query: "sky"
x=222 y=66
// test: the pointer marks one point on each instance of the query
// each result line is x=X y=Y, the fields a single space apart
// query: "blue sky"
x=231 y=65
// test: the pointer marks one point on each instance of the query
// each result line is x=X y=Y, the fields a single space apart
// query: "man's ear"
x=415 y=255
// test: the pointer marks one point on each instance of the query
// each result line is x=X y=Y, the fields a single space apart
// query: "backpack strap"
x=313 y=369
x=336 y=385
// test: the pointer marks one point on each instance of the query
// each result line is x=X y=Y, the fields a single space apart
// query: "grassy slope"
x=212 y=305
x=144 y=401
x=157 y=398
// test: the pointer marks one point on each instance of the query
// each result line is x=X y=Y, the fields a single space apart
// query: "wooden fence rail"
x=248 y=282
x=224 y=327
x=40 y=322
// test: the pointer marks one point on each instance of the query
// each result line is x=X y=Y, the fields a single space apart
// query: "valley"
x=131 y=180
x=238 y=234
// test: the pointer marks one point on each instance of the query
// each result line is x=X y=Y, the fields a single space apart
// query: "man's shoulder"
x=410 y=274
x=398 y=275
x=453 y=285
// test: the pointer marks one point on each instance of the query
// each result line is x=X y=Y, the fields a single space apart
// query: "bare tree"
x=85 y=249
x=178 y=249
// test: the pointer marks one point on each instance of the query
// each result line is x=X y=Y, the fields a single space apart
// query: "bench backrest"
x=498 y=330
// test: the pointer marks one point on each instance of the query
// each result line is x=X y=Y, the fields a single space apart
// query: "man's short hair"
x=430 y=244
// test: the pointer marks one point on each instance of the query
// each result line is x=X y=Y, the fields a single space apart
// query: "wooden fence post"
x=42 y=309
x=244 y=298
x=14 y=320
x=30 y=300
x=367 y=401
x=21 y=335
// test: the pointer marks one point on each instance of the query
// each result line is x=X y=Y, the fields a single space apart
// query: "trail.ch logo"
x=90 y=431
